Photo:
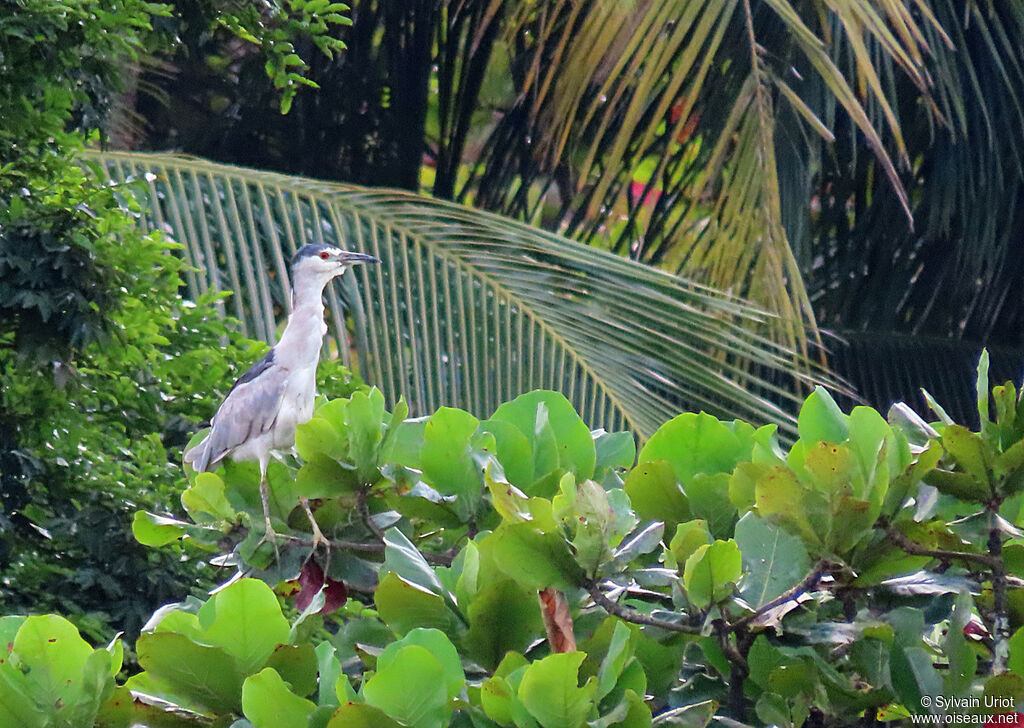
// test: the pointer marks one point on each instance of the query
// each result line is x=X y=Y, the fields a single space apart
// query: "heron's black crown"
x=309 y=251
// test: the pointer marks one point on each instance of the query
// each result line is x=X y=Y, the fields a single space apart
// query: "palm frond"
x=470 y=309
x=690 y=92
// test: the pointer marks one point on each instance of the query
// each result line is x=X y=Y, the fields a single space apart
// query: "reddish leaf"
x=557 y=620
x=311 y=579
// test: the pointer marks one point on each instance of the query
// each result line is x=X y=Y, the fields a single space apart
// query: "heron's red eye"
x=324 y=255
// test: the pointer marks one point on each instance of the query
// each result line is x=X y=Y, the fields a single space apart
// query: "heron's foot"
x=270 y=537
x=319 y=540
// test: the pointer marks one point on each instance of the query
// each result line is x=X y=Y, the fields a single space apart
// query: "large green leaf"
x=469 y=309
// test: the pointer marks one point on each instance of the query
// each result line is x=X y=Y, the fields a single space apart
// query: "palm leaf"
x=470 y=309
x=612 y=87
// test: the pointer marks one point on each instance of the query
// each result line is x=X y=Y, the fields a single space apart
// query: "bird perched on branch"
x=262 y=409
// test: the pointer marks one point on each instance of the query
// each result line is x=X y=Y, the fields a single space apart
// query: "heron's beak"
x=348 y=258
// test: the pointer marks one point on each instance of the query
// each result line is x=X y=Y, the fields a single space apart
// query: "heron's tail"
x=199 y=456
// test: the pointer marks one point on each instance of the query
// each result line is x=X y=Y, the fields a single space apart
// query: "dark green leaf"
x=206 y=675
x=773 y=560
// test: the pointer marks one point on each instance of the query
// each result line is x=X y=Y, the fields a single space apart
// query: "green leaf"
x=503 y=617
x=631 y=712
x=871 y=437
x=959 y=485
x=821 y=420
x=268 y=703
x=970 y=451
x=655 y=494
x=245 y=620
x=445 y=458
x=1004 y=691
x=411 y=689
x=963 y=661
x=574 y=449
x=782 y=499
x=438 y=645
x=206 y=675
x=116 y=711
x=48 y=671
x=403 y=558
x=514 y=451
x=532 y=558
x=205 y=500
x=297 y=666
x=591 y=520
x=403 y=440
x=774 y=560
x=511 y=503
x=328 y=672
x=619 y=652
x=695 y=715
x=497 y=698
x=323 y=434
x=360 y=715
x=711 y=572
x=697 y=443
x=1016 y=661
x=688 y=538
x=322 y=477
x=152 y=530
x=404 y=606
x=55 y=653
x=913 y=676
x=614 y=450
x=551 y=693
x=709 y=500
x=16 y=707
x=364 y=418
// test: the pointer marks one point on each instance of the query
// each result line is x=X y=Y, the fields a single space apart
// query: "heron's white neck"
x=309 y=294
x=303 y=335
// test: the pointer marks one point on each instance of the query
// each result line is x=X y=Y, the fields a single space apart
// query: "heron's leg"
x=318 y=537
x=270 y=535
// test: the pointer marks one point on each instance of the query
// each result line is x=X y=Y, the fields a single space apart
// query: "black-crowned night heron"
x=260 y=413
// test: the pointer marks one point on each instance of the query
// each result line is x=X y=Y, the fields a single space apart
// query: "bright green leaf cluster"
x=524 y=573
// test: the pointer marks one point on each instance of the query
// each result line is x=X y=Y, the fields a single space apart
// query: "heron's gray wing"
x=265 y=362
x=249 y=410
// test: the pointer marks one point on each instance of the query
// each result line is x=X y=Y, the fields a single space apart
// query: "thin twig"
x=364 y=513
x=808 y=583
x=916 y=549
x=373 y=548
x=629 y=614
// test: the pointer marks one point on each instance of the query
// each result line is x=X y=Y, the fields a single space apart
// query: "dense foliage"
x=104 y=368
x=524 y=571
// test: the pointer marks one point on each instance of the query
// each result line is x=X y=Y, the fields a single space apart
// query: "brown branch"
x=364 y=513
x=629 y=614
x=915 y=549
x=809 y=581
x=1000 y=605
x=444 y=559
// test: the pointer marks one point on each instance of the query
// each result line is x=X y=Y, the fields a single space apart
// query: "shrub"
x=523 y=571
